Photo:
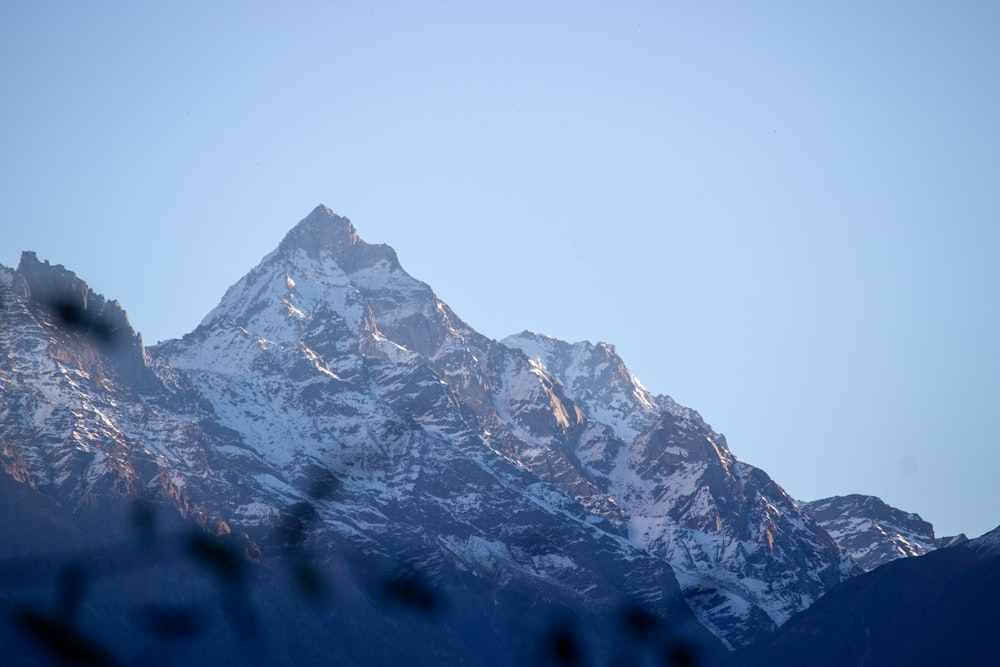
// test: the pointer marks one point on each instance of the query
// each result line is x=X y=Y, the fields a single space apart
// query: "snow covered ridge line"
x=526 y=460
x=875 y=533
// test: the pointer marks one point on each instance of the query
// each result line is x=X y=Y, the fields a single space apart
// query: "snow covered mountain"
x=874 y=533
x=237 y=432
x=330 y=304
x=530 y=468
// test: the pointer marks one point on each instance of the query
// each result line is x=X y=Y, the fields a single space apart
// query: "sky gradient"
x=785 y=216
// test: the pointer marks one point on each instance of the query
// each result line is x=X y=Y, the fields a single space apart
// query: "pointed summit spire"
x=324 y=233
x=321 y=229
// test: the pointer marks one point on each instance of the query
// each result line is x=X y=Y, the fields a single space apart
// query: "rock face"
x=874 y=533
x=73 y=305
x=523 y=474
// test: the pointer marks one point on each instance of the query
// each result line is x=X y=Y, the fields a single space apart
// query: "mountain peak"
x=324 y=233
x=322 y=228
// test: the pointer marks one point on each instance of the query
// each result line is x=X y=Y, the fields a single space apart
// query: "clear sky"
x=785 y=215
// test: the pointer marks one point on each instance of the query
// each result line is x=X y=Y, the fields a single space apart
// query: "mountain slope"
x=746 y=555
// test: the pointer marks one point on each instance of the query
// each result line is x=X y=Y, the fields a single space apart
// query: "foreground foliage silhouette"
x=62 y=635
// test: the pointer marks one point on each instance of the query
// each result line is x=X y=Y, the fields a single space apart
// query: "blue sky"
x=784 y=215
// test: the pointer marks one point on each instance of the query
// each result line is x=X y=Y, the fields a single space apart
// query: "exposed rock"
x=873 y=532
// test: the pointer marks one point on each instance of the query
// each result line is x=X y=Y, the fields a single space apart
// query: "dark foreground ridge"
x=937 y=609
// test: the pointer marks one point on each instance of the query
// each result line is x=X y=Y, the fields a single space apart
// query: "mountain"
x=934 y=609
x=330 y=307
x=325 y=446
x=332 y=417
x=874 y=533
